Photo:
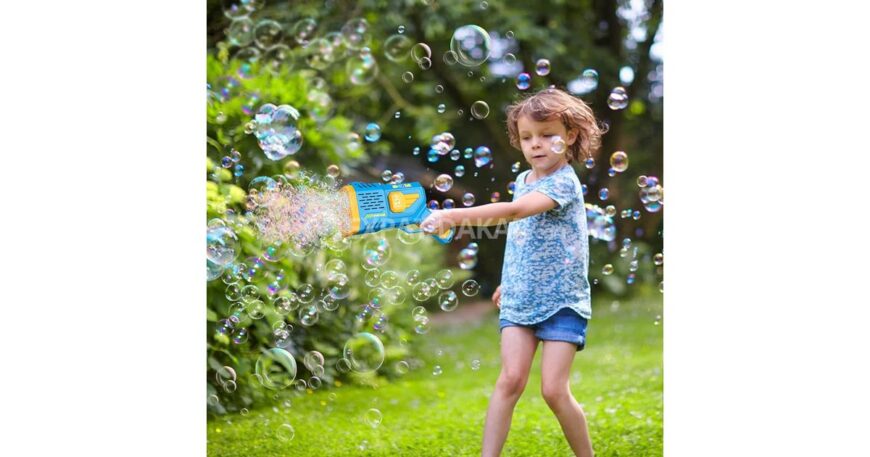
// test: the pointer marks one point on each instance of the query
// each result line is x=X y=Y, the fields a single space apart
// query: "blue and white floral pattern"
x=546 y=258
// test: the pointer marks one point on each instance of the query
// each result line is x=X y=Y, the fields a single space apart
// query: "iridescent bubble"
x=524 y=81
x=480 y=109
x=276 y=130
x=467 y=199
x=225 y=374
x=467 y=259
x=619 y=161
x=240 y=335
x=558 y=145
x=448 y=203
x=407 y=77
x=542 y=67
x=222 y=246
x=433 y=204
x=509 y=58
x=604 y=193
x=236 y=11
x=607 y=270
x=470 y=288
x=495 y=197
x=471 y=44
x=413 y=277
x=213 y=270
x=425 y=63
x=443 y=182
x=402 y=367
x=309 y=315
x=276 y=369
x=364 y=351
x=448 y=300
x=600 y=226
x=361 y=69
x=444 y=279
x=268 y=33
x=459 y=171
x=356 y=33
x=397 y=48
x=333 y=171
x=515 y=167
x=421 y=325
x=313 y=359
x=278 y=57
x=241 y=32
x=610 y=210
x=455 y=154
x=587 y=82
x=450 y=58
x=641 y=181
x=421 y=51
x=303 y=30
x=376 y=251
x=618 y=98
x=441 y=108
x=373 y=418
x=482 y=156
x=373 y=132
x=590 y=162
x=659 y=259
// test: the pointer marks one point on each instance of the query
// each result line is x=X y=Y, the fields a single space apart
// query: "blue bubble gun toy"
x=376 y=207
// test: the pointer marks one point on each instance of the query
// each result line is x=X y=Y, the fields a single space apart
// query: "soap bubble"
x=442 y=143
x=278 y=57
x=376 y=251
x=444 y=279
x=333 y=171
x=303 y=30
x=480 y=109
x=365 y=352
x=448 y=301
x=468 y=198
x=213 y=270
x=425 y=63
x=276 y=369
x=373 y=418
x=421 y=51
x=618 y=98
x=604 y=193
x=421 y=325
x=309 y=315
x=268 y=33
x=542 y=67
x=444 y=182
x=558 y=145
x=467 y=259
x=590 y=163
x=587 y=82
x=276 y=130
x=407 y=77
x=470 y=288
x=436 y=371
x=356 y=33
x=313 y=359
x=600 y=226
x=659 y=259
x=373 y=132
x=619 y=161
x=441 y=108
x=402 y=367
x=361 y=69
x=607 y=270
x=495 y=197
x=450 y=58
x=448 y=203
x=241 y=32
x=236 y=11
x=482 y=156
x=397 y=47
x=524 y=81
x=222 y=246
x=471 y=44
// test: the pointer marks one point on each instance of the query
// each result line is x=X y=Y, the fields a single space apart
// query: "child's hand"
x=496 y=297
x=436 y=222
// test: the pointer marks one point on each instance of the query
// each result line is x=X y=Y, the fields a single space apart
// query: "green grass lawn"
x=617 y=379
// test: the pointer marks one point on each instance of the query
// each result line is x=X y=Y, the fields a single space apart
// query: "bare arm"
x=491 y=214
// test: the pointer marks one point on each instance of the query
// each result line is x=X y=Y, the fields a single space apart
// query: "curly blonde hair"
x=575 y=115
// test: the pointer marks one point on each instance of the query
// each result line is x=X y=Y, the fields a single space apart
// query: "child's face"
x=536 y=141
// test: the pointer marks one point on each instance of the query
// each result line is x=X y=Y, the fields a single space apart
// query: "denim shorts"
x=565 y=325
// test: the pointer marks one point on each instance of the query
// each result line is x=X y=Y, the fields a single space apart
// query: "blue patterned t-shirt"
x=547 y=255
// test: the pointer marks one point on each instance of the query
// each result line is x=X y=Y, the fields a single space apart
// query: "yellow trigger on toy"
x=399 y=201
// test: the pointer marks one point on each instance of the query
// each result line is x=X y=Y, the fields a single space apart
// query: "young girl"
x=545 y=292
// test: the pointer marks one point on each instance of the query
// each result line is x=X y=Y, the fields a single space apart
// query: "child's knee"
x=511 y=383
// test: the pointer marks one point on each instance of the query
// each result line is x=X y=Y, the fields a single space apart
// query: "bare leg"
x=555 y=368
x=518 y=346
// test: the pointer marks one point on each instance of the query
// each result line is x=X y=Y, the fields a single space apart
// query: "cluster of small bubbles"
x=448 y=203
x=441 y=108
x=467 y=198
x=364 y=351
x=618 y=98
x=470 y=288
x=443 y=182
x=381 y=324
x=494 y=197
x=398 y=178
x=607 y=270
x=471 y=45
x=652 y=194
x=524 y=81
x=373 y=418
x=373 y=132
x=482 y=156
x=619 y=161
x=276 y=130
x=600 y=225
x=467 y=259
x=542 y=67
x=480 y=109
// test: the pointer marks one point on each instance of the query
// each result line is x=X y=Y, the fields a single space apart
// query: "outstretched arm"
x=491 y=214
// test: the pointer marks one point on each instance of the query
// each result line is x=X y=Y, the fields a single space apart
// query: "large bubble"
x=222 y=245
x=276 y=369
x=365 y=352
x=397 y=47
x=356 y=33
x=276 y=130
x=362 y=69
x=471 y=44
x=600 y=224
